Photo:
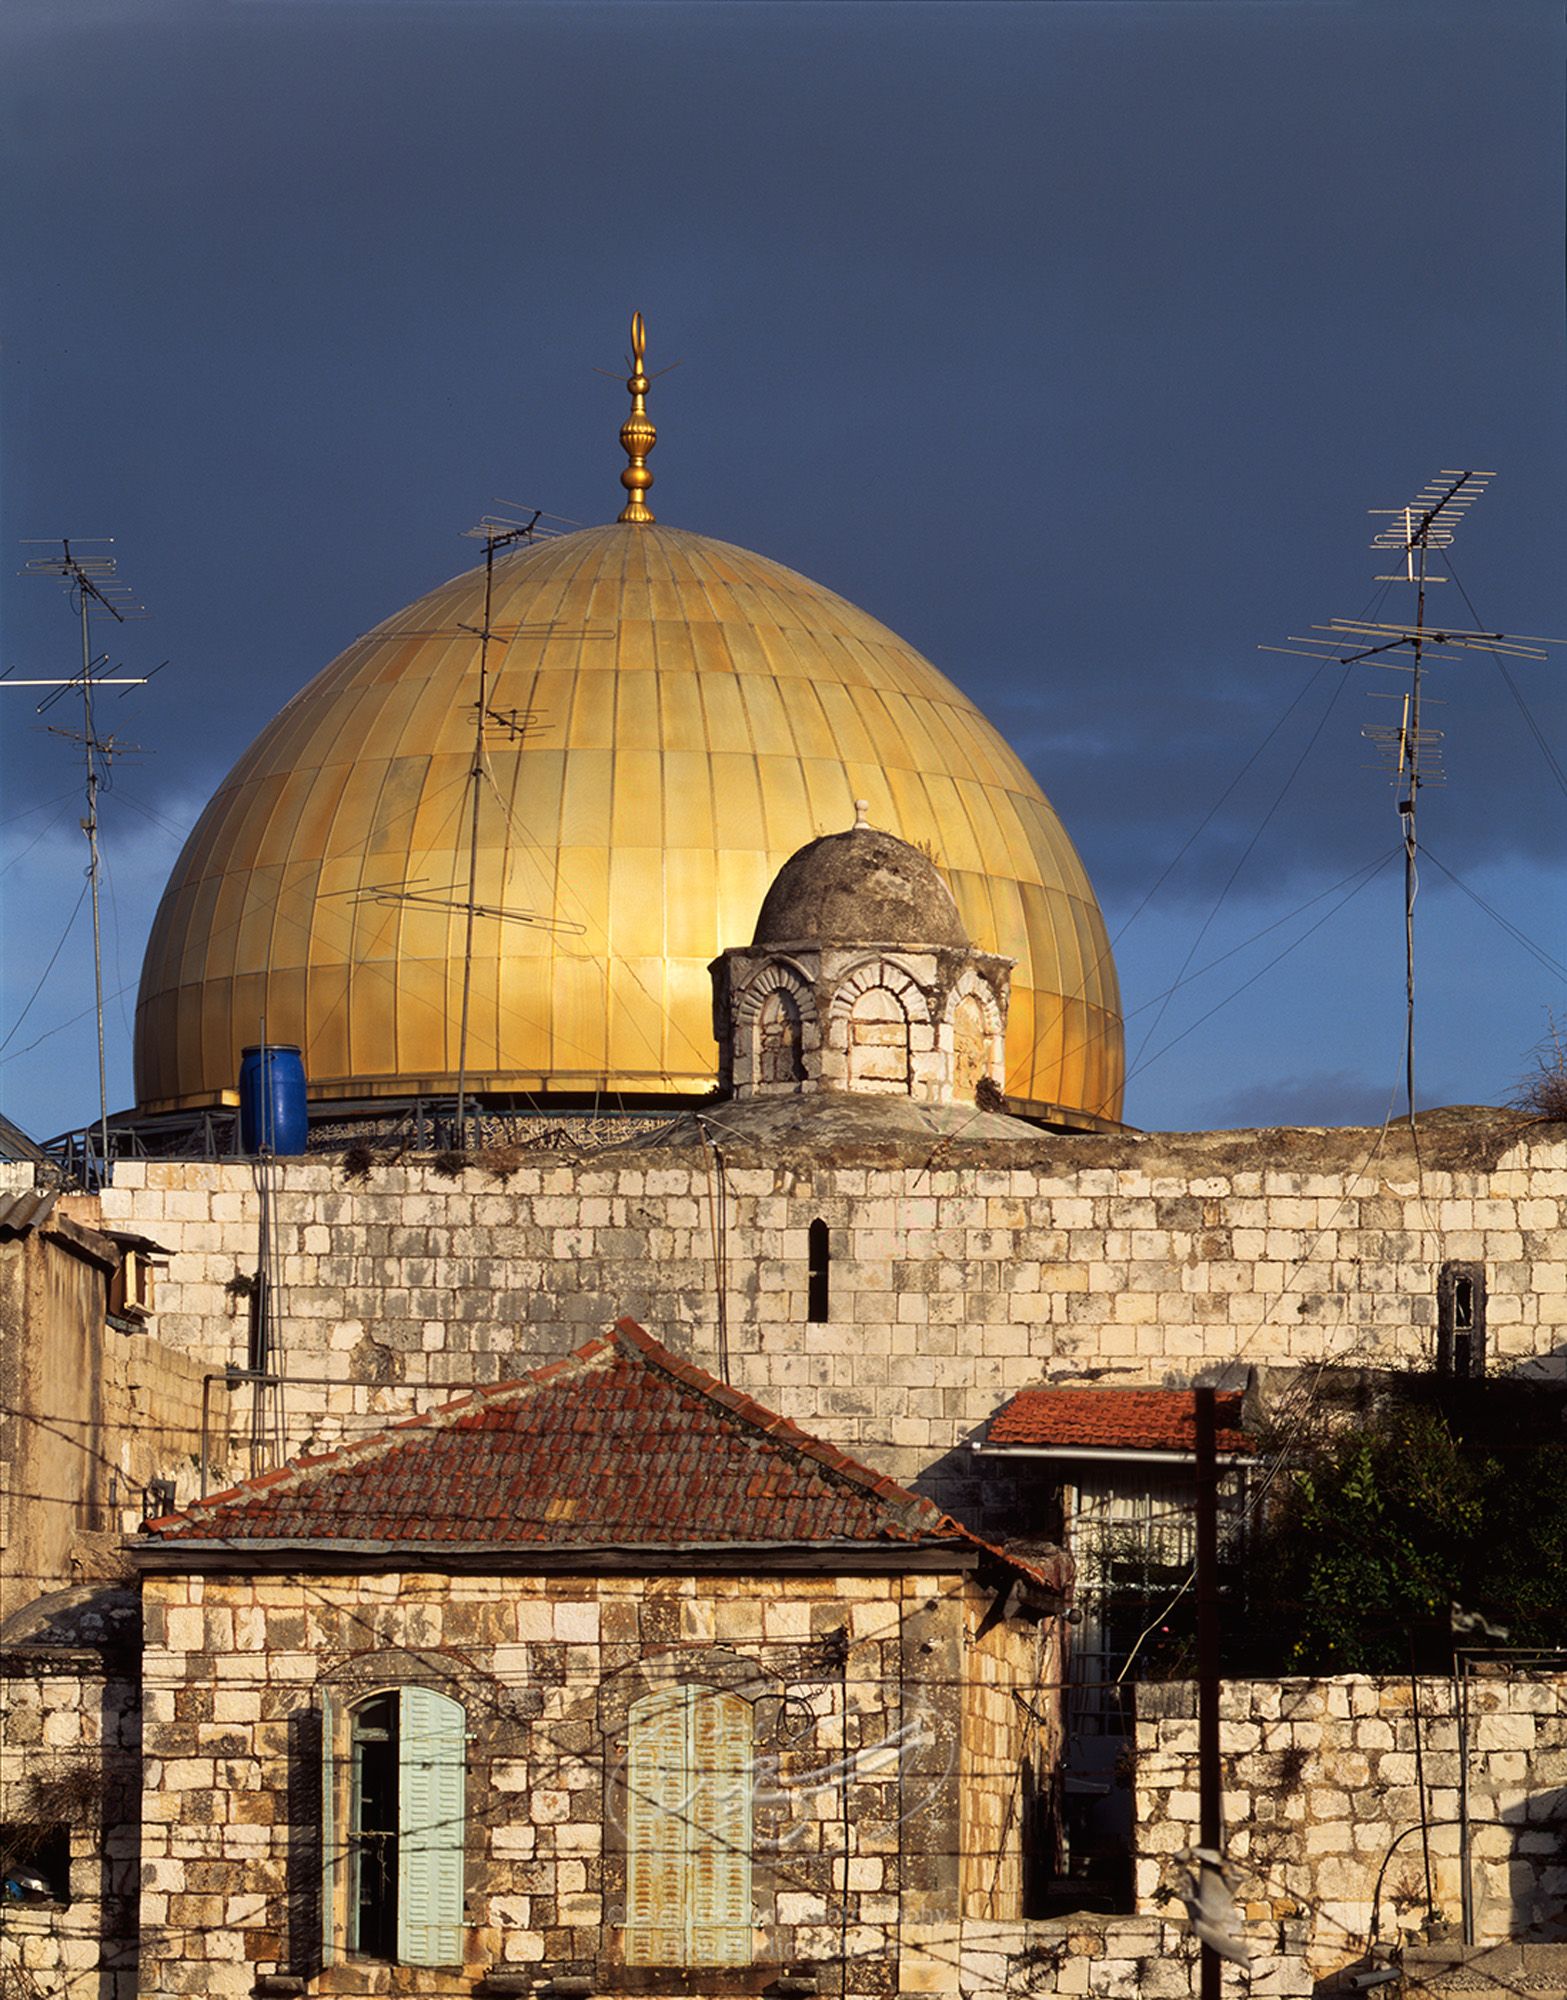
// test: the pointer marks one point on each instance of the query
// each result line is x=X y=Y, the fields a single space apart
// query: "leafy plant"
x=1379 y=1530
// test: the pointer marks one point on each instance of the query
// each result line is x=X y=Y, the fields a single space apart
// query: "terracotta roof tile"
x=1116 y=1420
x=622 y=1444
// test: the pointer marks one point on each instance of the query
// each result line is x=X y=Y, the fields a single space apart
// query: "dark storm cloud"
x=1330 y=1097
x=1071 y=341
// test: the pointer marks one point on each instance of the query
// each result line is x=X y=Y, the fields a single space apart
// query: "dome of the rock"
x=683 y=717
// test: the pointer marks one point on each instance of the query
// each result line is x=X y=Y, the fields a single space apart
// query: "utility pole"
x=1210 y=1792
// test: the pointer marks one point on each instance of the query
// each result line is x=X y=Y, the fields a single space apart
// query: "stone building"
x=599 y=1676
x=861 y=978
x=70 y=1794
x=789 y=1027
x=93 y=1407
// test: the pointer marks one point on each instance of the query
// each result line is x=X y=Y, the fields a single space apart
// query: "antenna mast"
x=92 y=580
x=497 y=535
x=1415 y=534
x=1412 y=532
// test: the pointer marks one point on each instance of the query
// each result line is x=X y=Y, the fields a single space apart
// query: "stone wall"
x=1011 y=1745
x=954 y=1281
x=152 y=1414
x=1093 y=1957
x=857 y=1683
x=1322 y=1800
x=89 y=1415
x=55 y=1488
x=69 y=1760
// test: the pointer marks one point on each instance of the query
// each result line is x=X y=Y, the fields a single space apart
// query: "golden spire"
x=637 y=435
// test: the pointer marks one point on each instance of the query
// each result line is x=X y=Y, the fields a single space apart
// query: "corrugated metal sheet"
x=20 y=1213
x=16 y=1145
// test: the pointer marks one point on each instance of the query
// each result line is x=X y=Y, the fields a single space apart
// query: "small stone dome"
x=859 y=887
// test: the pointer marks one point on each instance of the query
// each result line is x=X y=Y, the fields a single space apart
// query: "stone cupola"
x=860 y=977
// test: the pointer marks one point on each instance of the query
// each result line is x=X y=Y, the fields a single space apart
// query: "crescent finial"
x=637 y=435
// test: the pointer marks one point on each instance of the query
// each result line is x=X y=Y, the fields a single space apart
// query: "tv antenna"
x=92 y=580
x=499 y=533
x=1412 y=534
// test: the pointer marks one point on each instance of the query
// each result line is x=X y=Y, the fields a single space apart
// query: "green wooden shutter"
x=657 y=1783
x=432 y=1755
x=328 y=1830
x=718 y=1896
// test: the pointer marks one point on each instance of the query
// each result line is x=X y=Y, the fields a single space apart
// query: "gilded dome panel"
x=694 y=715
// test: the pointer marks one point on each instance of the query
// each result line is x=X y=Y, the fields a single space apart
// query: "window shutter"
x=719 y=1892
x=328 y=1830
x=658 y=1785
x=688 y=1822
x=432 y=1755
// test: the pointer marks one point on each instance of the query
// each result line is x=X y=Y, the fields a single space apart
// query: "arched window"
x=879 y=1043
x=780 y=1055
x=818 y=1256
x=393 y=1827
x=688 y=1828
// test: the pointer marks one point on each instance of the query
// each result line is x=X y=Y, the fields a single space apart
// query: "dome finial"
x=637 y=435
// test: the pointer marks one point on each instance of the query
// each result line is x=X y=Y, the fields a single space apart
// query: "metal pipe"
x=231 y=1378
x=1209 y=1777
x=90 y=828
x=476 y=779
x=1465 y=1868
x=1420 y=1781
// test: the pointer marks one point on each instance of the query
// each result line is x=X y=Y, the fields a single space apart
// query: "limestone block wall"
x=89 y=1415
x=69 y=1757
x=1322 y=1800
x=954 y=1281
x=53 y=1484
x=860 y=1018
x=1107 y=1958
x=857 y=1686
x=1012 y=1729
x=152 y=1417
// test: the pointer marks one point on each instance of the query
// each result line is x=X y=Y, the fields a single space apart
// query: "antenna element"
x=92 y=580
x=1414 y=751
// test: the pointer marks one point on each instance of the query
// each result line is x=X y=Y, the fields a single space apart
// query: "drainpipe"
x=1465 y=1859
x=231 y=1378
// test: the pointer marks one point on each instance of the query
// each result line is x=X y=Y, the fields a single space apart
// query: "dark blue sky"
x=1073 y=341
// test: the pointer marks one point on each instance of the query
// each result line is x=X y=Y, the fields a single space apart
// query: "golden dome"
x=690 y=715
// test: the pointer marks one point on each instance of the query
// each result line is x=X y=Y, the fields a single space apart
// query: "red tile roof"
x=1116 y=1420
x=622 y=1445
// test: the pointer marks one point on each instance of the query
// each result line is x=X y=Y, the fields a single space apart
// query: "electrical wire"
x=39 y=805
x=53 y=956
x=42 y=834
x=1521 y=938
x=1245 y=856
x=1277 y=959
x=1552 y=762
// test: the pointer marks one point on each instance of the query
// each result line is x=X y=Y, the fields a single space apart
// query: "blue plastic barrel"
x=272 y=1114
